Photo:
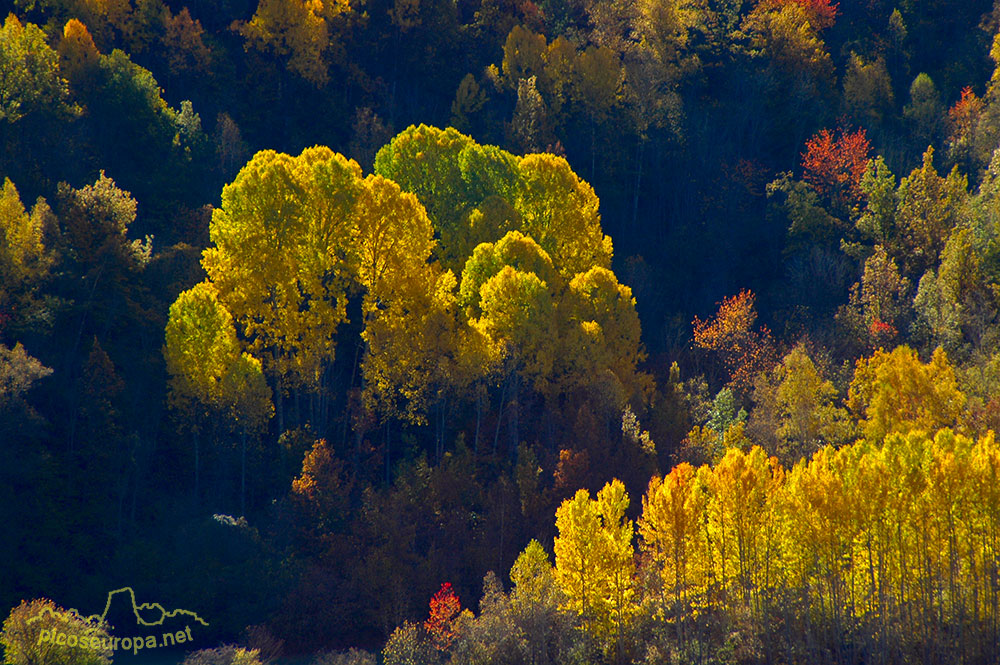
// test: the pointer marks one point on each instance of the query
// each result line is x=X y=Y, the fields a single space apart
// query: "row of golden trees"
x=868 y=553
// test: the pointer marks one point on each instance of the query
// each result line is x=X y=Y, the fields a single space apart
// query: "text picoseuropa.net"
x=133 y=644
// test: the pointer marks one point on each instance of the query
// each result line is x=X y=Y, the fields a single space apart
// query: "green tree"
x=868 y=95
x=924 y=112
x=929 y=208
x=29 y=69
x=880 y=301
x=468 y=189
x=534 y=603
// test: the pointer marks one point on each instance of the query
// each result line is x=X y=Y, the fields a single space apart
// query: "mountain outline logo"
x=136 y=608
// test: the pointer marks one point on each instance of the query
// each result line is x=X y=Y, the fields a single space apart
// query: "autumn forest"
x=426 y=332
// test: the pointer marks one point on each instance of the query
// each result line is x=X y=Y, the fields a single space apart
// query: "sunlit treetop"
x=475 y=193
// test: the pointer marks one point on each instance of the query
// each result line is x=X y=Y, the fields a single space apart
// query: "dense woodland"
x=505 y=331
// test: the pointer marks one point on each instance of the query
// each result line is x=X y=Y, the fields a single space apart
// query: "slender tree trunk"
x=388 y=456
x=503 y=512
x=638 y=182
x=515 y=429
x=197 y=463
x=296 y=405
x=479 y=413
x=503 y=396
x=280 y=399
x=593 y=149
x=74 y=396
x=243 y=472
x=347 y=415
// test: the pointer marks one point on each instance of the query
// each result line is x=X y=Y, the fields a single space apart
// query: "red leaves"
x=821 y=13
x=968 y=106
x=834 y=166
x=881 y=331
x=745 y=351
x=963 y=118
x=444 y=609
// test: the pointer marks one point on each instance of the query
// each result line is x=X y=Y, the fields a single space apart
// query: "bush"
x=30 y=634
x=227 y=654
x=352 y=657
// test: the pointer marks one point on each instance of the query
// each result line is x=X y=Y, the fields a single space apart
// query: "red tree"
x=821 y=13
x=444 y=608
x=834 y=166
x=963 y=125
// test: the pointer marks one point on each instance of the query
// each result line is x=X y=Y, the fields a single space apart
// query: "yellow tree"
x=282 y=259
x=895 y=392
x=799 y=404
x=819 y=524
x=983 y=476
x=519 y=321
x=531 y=353
x=947 y=538
x=672 y=517
x=23 y=257
x=742 y=525
x=78 y=56
x=29 y=69
x=870 y=486
x=789 y=36
x=560 y=211
x=29 y=636
x=518 y=316
x=200 y=347
x=599 y=79
x=595 y=561
x=603 y=333
x=184 y=44
x=408 y=304
x=578 y=569
x=295 y=31
x=619 y=559
x=516 y=250
x=523 y=55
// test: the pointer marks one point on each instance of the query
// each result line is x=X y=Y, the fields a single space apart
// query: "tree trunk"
x=197 y=465
x=479 y=413
x=243 y=472
x=638 y=182
x=496 y=434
